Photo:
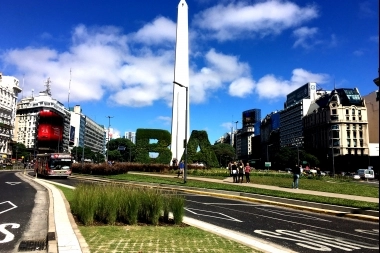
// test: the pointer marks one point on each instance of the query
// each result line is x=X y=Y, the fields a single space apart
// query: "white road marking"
x=13 y=183
x=10 y=203
x=316 y=241
x=201 y=213
x=8 y=235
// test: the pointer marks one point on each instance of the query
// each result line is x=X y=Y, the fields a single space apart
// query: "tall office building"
x=244 y=135
x=9 y=90
x=130 y=136
x=296 y=106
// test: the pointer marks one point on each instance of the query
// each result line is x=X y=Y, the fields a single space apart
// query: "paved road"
x=293 y=229
x=23 y=214
x=297 y=230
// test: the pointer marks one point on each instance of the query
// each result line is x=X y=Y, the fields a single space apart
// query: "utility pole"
x=236 y=122
x=109 y=125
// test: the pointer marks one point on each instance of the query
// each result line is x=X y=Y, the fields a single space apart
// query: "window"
x=359 y=112
x=333 y=111
x=360 y=134
x=348 y=143
x=347 y=118
x=348 y=134
x=354 y=126
x=335 y=127
x=360 y=126
x=334 y=117
x=347 y=111
x=355 y=144
x=353 y=111
x=348 y=126
x=354 y=134
x=353 y=118
x=361 y=143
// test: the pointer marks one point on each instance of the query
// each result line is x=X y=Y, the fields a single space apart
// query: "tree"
x=224 y=152
x=19 y=150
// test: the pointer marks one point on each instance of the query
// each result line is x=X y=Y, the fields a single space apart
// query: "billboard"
x=250 y=117
x=72 y=135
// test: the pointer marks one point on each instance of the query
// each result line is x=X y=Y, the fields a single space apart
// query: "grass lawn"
x=325 y=184
x=148 y=238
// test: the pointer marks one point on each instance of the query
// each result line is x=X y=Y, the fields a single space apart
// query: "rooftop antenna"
x=47 y=84
x=68 y=96
x=23 y=85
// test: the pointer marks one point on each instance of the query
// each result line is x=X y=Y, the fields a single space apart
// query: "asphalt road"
x=293 y=229
x=297 y=230
x=23 y=214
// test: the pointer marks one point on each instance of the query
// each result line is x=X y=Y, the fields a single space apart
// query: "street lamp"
x=185 y=141
x=267 y=151
x=109 y=125
x=236 y=140
x=332 y=150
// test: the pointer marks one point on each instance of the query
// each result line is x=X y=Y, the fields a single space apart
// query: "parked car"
x=289 y=170
x=357 y=177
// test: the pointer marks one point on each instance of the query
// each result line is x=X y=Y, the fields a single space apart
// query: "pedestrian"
x=296 y=175
x=241 y=171
x=181 y=168
x=230 y=168
x=174 y=163
x=234 y=172
x=247 y=171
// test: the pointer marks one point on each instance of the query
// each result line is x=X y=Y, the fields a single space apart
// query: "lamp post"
x=332 y=151
x=236 y=122
x=185 y=141
x=267 y=151
x=109 y=125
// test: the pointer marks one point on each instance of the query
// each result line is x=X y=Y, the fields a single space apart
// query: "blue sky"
x=243 y=55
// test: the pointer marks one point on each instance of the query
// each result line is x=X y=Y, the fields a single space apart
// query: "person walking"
x=241 y=171
x=234 y=172
x=181 y=168
x=296 y=175
x=247 y=171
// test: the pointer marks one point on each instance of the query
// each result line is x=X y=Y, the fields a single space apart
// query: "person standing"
x=181 y=168
x=247 y=171
x=234 y=172
x=241 y=171
x=296 y=175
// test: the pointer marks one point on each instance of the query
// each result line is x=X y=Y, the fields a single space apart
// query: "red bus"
x=53 y=164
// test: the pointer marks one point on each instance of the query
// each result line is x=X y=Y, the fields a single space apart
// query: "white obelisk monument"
x=181 y=80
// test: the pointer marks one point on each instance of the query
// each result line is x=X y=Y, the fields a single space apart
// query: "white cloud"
x=226 y=22
x=160 y=31
x=304 y=36
x=270 y=87
x=241 y=87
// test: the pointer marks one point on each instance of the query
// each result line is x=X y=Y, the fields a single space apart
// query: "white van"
x=366 y=173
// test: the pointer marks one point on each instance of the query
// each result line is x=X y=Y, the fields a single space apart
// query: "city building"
x=42 y=123
x=269 y=131
x=244 y=135
x=335 y=130
x=84 y=132
x=296 y=106
x=130 y=136
x=372 y=105
x=9 y=89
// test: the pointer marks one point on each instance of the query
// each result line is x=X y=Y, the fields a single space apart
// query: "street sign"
x=304 y=162
x=267 y=164
x=121 y=148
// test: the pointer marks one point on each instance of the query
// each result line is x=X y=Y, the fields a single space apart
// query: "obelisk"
x=181 y=80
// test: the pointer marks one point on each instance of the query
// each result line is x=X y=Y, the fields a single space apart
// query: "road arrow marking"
x=4 y=205
x=13 y=183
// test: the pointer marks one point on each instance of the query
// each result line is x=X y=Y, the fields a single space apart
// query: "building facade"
x=130 y=136
x=42 y=123
x=336 y=130
x=9 y=90
x=86 y=133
